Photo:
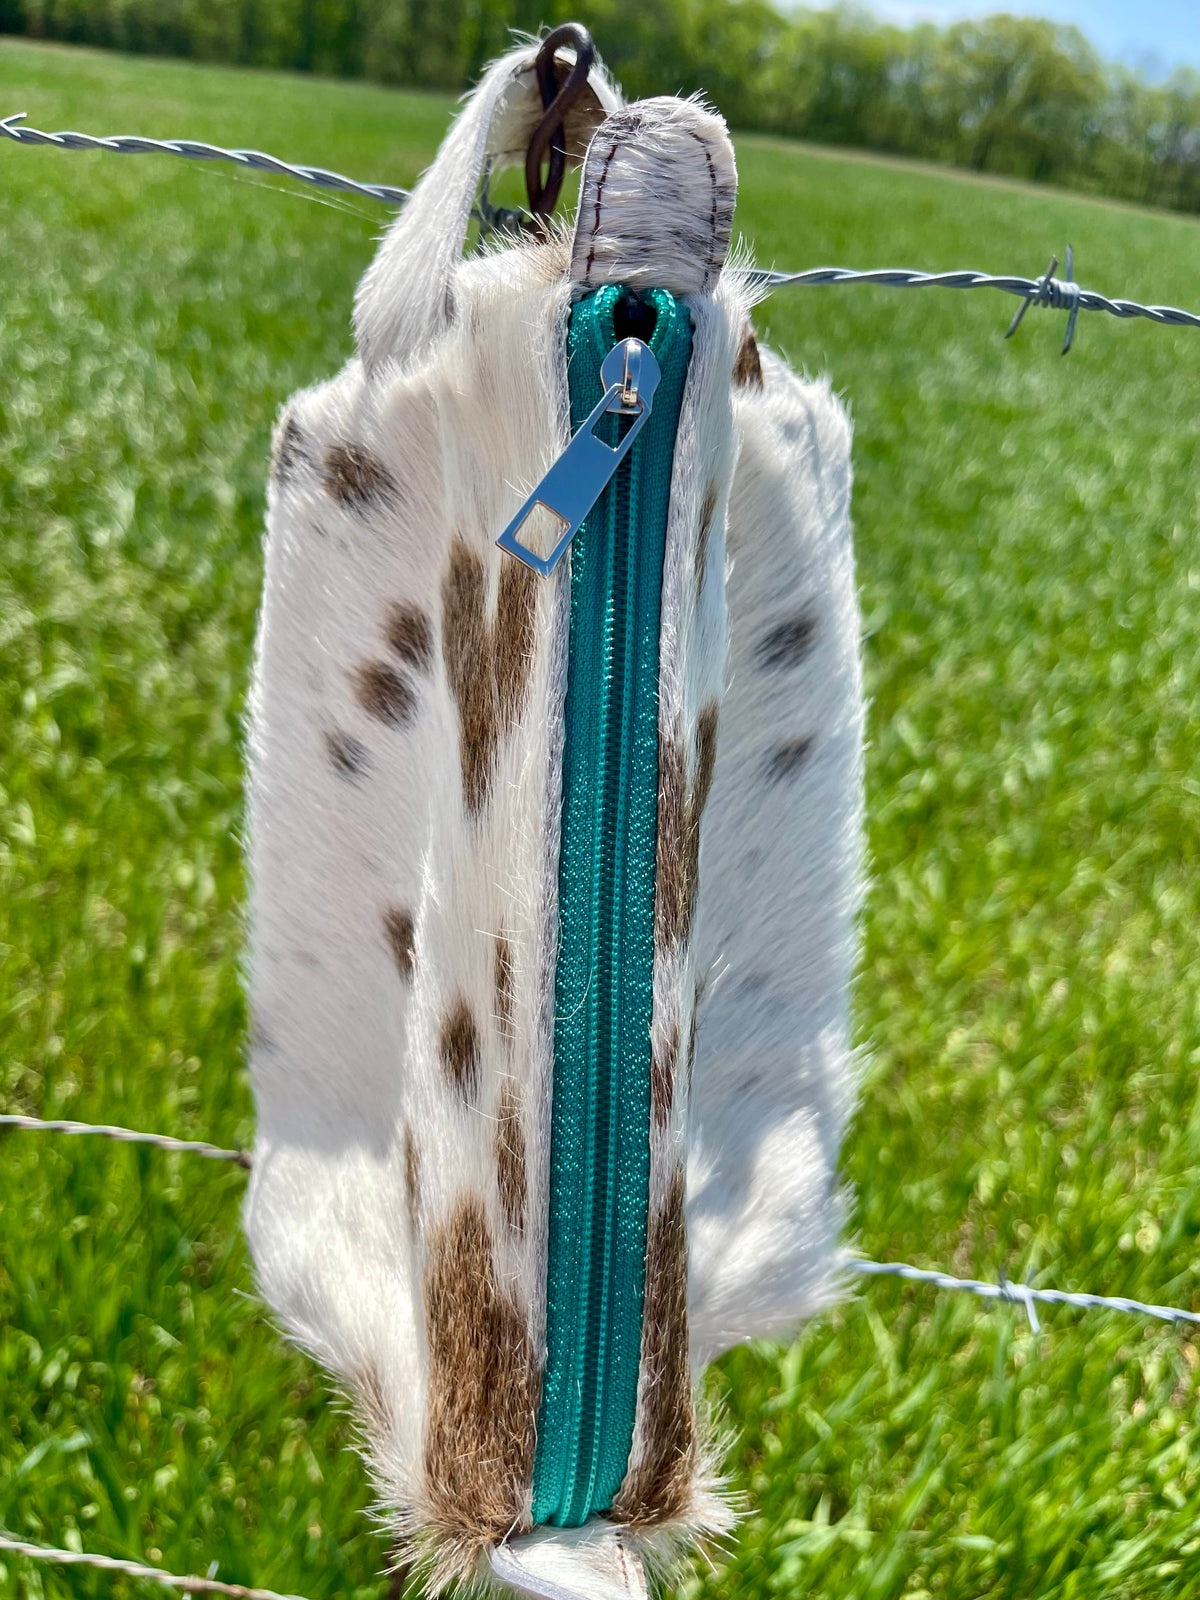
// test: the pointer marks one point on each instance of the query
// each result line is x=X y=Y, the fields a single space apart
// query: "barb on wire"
x=135 y=1569
x=195 y=150
x=964 y=278
x=161 y=1141
x=1023 y=1293
x=1019 y=1293
x=1052 y=291
x=1044 y=291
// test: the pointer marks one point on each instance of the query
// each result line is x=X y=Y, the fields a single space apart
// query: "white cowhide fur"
x=405 y=753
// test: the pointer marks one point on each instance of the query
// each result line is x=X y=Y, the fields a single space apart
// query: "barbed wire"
x=161 y=1141
x=195 y=150
x=135 y=1569
x=1023 y=1294
x=1057 y=293
x=1047 y=290
x=1015 y=1293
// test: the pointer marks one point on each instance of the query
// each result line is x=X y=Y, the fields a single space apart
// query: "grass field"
x=1029 y=546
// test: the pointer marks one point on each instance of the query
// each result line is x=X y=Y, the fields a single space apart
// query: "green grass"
x=1029 y=554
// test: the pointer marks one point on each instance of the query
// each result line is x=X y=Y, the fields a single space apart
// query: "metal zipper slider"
x=577 y=479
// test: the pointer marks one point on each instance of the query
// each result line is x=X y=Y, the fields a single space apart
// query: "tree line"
x=1003 y=94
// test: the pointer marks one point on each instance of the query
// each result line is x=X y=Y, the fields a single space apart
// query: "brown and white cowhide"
x=404 y=789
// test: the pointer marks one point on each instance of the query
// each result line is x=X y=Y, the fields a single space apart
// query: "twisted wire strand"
x=196 y=150
x=1015 y=1293
x=1048 y=291
x=161 y=1141
x=1056 y=293
x=135 y=1569
x=1023 y=1293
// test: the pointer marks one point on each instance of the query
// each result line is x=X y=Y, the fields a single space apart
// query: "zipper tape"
x=600 y=1124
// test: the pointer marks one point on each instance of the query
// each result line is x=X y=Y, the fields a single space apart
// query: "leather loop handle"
x=406 y=298
x=549 y=137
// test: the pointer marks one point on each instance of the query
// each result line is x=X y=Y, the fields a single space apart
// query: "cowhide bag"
x=554 y=878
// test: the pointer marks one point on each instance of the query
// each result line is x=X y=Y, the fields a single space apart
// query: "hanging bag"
x=554 y=818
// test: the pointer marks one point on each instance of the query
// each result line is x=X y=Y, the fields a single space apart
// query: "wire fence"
x=1047 y=290
x=1015 y=1293
x=134 y=1569
x=196 y=150
x=160 y=1141
x=1021 y=1294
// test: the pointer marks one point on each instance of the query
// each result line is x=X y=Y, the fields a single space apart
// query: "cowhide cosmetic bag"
x=554 y=863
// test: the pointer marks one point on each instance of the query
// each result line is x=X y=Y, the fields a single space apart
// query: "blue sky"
x=1155 y=36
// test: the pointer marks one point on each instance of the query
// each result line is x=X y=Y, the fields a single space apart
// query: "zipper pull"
x=574 y=483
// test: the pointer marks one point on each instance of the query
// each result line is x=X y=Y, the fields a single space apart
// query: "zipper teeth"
x=599 y=1163
x=614 y=533
x=606 y=917
x=620 y=579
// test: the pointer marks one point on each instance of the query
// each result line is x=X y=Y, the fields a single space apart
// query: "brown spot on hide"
x=664 y=1060
x=658 y=1487
x=487 y=664
x=458 y=1045
x=516 y=616
x=292 y=451
x=747 y=366
x=409 y=634
x=708 y=513
x=706 y=756
x=670 y=893
x=355 y=479
x=680 y=809
x=383 y=693
x=412 y=1175
x=401 y=937
x=510 y=1159
x=505 y=977
x=482 y=1398
x=347 y=754
x=787 y=644
x=466 y=647
x=788 y=759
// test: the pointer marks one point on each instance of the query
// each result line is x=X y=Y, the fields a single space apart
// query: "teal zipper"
x=600 y=1126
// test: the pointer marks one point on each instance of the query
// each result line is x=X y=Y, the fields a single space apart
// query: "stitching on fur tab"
x=711 y=263
x=603 y=179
